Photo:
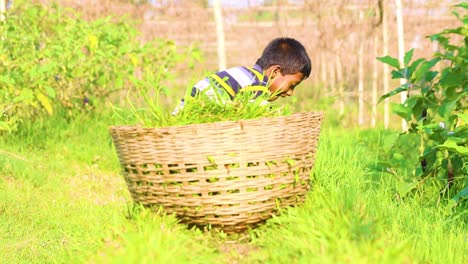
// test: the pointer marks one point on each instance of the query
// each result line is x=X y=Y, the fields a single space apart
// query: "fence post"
x=375 y=76
x=218 y=16
x=361 y=77
x=401 y=51
x=2 y=10
x=386 y=70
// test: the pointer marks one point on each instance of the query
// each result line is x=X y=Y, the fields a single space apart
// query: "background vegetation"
x=63 y=199
x=339 y=35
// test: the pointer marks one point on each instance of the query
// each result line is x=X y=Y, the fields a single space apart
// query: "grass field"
x=63 y=200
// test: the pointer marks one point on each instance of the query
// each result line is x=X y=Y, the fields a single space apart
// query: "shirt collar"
x=260 y=70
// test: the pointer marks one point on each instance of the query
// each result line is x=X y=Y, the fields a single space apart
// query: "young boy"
x=283 y=65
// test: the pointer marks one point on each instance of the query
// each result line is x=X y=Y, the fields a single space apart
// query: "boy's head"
x=287 y=64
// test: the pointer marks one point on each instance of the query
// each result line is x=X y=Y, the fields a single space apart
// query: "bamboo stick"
x=361 y=78
x=218 y=16
x=340 y=77
x=332 y=79
x=323 y=70
x=386 y=70
x=2 y=10
x=401 y=51
x=374 y=82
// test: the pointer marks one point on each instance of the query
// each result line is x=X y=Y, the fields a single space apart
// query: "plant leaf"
x=451 y=145
x=50 y=92
x=461 y=194
x=414 y=65
x=446 y=108
x=464 y=117
x=44 y=100
x=211 y=159
x=402 y=111
x=398 y=90
x=390 y=61
x=404 y=188
x=4 y=126
x=452 y=79
x=290 y=162
x=398 y=74
x=463 y=5
x=424 y=68
x=408 y=56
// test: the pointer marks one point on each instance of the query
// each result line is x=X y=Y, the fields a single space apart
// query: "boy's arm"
x=178 y=108
x=204 y=86
x=199 y=86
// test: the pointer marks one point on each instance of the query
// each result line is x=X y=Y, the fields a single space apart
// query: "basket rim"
x=247 y=121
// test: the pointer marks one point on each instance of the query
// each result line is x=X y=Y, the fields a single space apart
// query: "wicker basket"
x=230 y=175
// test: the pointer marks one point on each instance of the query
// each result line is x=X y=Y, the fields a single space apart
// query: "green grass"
x=351 y=216
x=63 y=200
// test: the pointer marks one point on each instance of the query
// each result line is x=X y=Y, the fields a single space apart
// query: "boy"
x=283 y=65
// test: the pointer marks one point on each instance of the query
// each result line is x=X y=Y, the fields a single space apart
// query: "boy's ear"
x=274 y=70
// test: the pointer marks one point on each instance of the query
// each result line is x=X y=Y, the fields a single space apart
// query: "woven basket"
x=229 y=175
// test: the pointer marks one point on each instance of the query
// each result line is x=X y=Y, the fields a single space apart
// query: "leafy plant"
x=51 y=60
x=435 y=110
x=205 y=107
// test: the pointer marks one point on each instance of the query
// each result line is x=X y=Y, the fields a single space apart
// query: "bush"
x=51 y=60
x=436 y=112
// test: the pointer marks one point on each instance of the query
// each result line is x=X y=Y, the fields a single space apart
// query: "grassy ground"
x=63 y=200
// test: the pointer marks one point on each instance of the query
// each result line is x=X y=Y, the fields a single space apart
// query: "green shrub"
x=51 y=60
x=436 y=113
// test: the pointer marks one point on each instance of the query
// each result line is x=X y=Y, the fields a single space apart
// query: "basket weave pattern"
x=230 y=175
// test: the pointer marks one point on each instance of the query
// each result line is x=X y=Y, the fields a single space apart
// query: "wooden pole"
x=2 y=10
x=374 y=82
x=339 y=73
x=218 y=16
x=401 y=51
x=386 y=69
x=332 y=80
x=323 y=69
x=361 y=77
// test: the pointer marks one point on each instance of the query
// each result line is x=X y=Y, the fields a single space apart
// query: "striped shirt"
x=229 y=81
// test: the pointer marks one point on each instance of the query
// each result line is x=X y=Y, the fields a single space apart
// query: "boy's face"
x=283 y=85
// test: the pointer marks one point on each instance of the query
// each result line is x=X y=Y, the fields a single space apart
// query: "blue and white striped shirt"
x=230 y=81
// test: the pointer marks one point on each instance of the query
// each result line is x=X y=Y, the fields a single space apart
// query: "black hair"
x=288 y=53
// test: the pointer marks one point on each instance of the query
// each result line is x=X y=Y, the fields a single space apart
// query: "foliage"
x=62 y=200
x=51 y=60
x=347 y=217
x=210 y=105
x=436 y=113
